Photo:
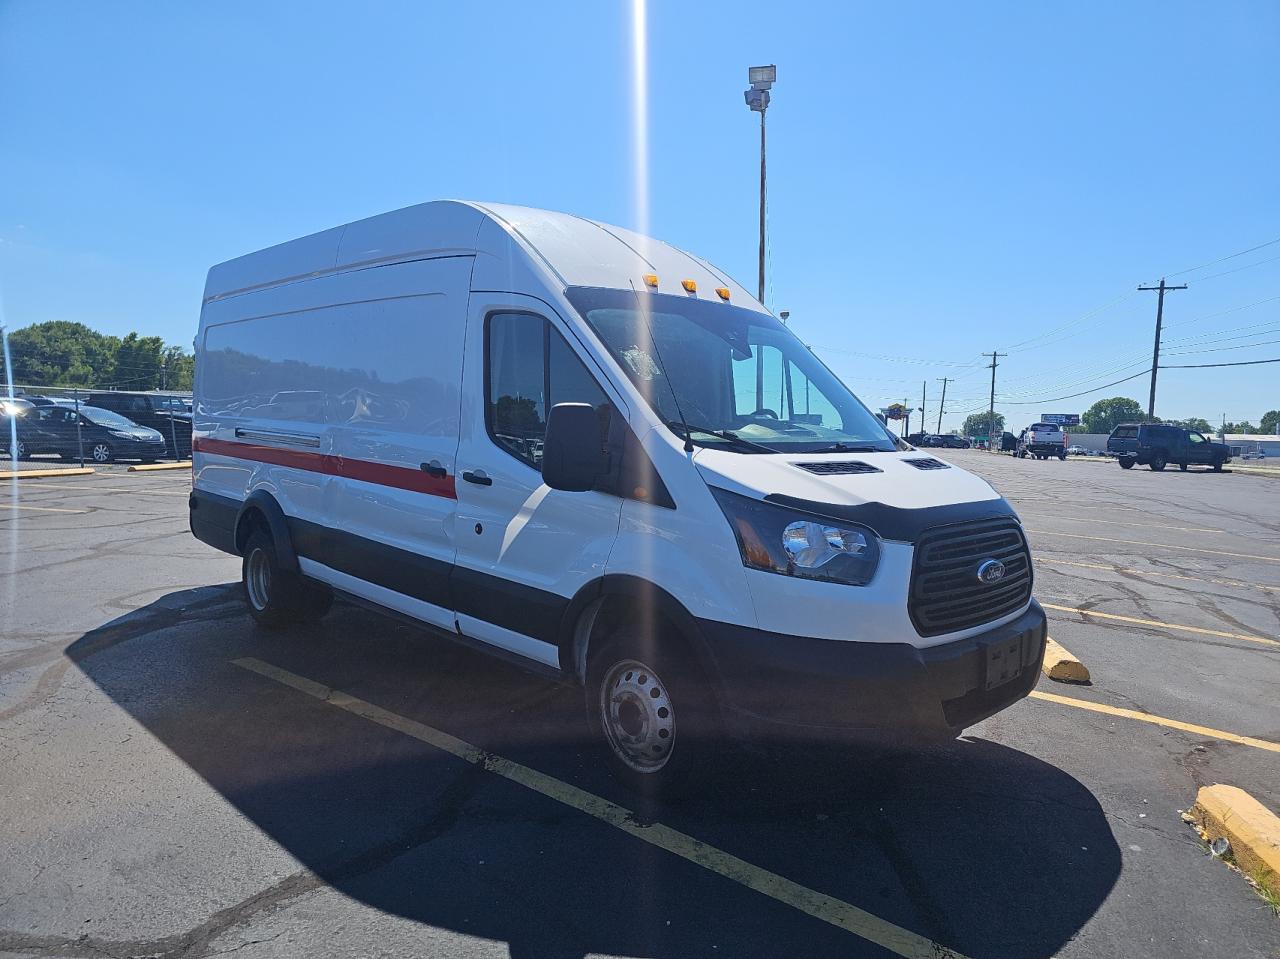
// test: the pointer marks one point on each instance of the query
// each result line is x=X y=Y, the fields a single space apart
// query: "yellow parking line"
x=1157 y=720
x=1180 y=529
x=1130 y=542
x=45 y=509
x=1150 y=572
x=1153 y=622
x=901 y=942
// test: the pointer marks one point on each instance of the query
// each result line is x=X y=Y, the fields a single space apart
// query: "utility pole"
x=1155 y=354
x=906 y=418
x=945 y=381
x=924 y=403
x=991 y=410
x=757 y=96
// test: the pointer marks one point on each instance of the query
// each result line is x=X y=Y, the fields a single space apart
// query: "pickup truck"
x=1158 y=444
x=1042 y=440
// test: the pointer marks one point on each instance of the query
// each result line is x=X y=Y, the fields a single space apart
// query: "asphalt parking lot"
x=175 y=783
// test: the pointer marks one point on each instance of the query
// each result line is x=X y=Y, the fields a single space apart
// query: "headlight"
x=786 y=541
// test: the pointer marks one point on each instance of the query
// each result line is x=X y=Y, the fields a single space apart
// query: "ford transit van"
x=598 y=456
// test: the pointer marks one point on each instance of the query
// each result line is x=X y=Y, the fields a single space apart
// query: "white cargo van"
x=595 y=454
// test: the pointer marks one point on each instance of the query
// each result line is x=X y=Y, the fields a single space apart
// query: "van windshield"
x=741 y=380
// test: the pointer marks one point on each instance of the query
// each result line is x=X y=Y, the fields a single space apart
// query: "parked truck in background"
x=1042 y=440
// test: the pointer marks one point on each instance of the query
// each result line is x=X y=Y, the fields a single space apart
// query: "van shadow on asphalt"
x=974 y=845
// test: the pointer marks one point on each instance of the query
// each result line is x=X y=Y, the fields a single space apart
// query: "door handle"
x=435 y=469
x=477 y=477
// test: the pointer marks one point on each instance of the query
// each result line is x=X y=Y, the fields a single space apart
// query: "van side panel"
x=336 y=394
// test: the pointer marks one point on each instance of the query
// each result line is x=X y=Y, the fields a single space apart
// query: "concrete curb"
x=153 y=467
x=1252 y=829
x=43 y=474
x=1060 y=665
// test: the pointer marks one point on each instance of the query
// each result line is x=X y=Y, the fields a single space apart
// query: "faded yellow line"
x=1157 y=720
x=901 y=942
x=1180 y=529
x=45 y=509
x=1130 y=542
x=1153 y=622
x=1149 y=572
x=64 y=487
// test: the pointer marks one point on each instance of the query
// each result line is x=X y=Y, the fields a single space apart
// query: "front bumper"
x=775 y=687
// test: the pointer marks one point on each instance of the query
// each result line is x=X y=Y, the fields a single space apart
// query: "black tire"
x=275 y=597
x=1062 y=455
x=1183 y=467
x=1217 y=466
x=101 y=452
x=1126 y=462
x=653 y=713
x=18 y=451
x=1158 y=462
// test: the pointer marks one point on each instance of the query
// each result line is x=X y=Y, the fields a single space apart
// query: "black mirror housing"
x=573 y=456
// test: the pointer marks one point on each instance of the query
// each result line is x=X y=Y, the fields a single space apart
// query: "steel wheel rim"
x=257 y=579
x=102 y=452
x=637 y=715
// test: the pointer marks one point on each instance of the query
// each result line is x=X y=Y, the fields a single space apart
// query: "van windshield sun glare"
x=740 y=379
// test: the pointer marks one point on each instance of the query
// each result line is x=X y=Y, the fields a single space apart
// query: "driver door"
x=1197 y=449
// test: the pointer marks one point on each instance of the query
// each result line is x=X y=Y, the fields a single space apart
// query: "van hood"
x=895 y=482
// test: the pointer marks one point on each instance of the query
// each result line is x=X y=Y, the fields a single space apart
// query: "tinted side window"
x=530 y=369
x=516 y=411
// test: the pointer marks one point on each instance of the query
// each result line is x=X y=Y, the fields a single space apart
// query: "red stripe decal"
x=380 y=474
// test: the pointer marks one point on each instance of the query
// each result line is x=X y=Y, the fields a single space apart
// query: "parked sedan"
x=105 y=435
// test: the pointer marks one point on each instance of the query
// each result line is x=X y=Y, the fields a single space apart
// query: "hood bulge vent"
x=928 y=463
x=838 y=469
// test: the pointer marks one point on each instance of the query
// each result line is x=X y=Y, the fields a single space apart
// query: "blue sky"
x=944 y=179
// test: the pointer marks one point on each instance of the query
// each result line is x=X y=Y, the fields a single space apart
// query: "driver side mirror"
x=573 y=455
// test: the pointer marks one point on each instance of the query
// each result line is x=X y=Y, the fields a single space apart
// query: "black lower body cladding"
x=792 y=689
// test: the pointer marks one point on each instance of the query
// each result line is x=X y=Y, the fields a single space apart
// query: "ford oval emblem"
x=990 y=571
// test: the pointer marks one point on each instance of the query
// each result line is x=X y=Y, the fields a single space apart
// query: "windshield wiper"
x=725 y=435
x=848 y=448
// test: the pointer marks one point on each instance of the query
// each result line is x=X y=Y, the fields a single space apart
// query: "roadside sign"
x=1061 y=419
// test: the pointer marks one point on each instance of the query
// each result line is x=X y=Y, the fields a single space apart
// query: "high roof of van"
x=562 y=249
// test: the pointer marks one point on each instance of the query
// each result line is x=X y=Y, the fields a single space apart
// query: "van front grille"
x=946 y=593
x=838 y=469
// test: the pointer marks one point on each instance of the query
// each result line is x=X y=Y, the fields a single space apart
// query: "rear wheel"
x=102 y=453
x=277 y=597
x=1062 y=455
x=1157 y=462
x=1126 y=462
x=654 y=711
x=1217 y=466
x=1183 y=467
x=19 y=450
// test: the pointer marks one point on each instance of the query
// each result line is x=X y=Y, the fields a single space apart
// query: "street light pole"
x=757 y=97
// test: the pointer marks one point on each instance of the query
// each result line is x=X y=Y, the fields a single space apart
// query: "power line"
x=1086 y=392
x=1247 y=266
x=1201 y=366
x=1224 y=259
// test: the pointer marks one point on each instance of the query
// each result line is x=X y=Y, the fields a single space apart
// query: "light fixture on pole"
x=757 y=97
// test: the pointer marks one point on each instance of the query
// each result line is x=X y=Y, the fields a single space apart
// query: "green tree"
x=59 y=352
x=138 y=362
x=1105 y=415
x=979 y=424
x=1270 y=420
x=1195 y=423
x=177 y=369
x=1244 y=426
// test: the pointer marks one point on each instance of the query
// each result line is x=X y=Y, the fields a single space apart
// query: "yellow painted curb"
x=152 y=467
x=1059 y=664
x=1252 y=829
x=41 y=474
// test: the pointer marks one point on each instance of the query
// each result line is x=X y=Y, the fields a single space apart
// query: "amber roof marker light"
x=689 y=286
x=723 y=293
x=650 y=279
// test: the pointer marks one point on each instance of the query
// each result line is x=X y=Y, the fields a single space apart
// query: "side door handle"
x=477 y=477
x=435 y=469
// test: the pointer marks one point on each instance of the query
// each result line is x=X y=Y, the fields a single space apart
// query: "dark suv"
x=1157 y=445
x=164 y=413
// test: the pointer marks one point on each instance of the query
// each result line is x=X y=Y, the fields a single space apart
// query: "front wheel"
x=1062 y=456
x=1126 y=462
x=102 y=453
x=1183 y=467
x=1217 y=466
x=1157 y=463
x=19 y=451
x=654 y=711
